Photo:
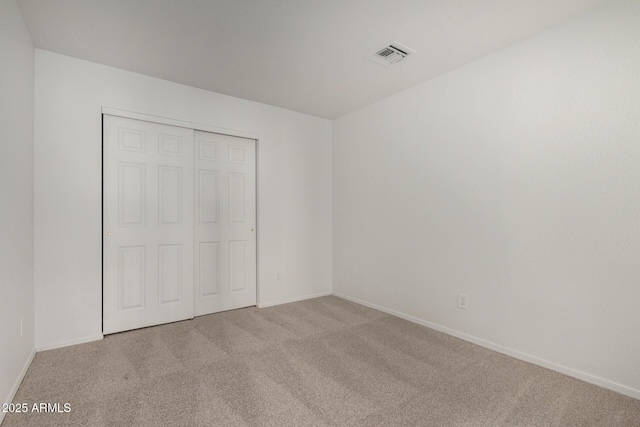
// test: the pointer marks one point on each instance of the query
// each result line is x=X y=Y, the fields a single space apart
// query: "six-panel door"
x=148 y=224
x=179 y=223
x=225 y=222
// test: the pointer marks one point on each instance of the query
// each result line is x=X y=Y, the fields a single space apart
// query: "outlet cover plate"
x=463 y=300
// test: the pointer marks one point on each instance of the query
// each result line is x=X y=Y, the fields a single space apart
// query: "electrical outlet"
x=463 y=300
x=278 y=276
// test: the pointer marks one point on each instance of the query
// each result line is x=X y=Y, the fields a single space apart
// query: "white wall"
x=294 y=166
x=16 y=198
x=515 y=180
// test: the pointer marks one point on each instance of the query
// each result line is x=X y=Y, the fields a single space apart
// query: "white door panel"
x=179 y=223
x=148 y=224
x=225 y=222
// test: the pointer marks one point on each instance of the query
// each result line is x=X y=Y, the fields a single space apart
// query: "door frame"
x=190 y=125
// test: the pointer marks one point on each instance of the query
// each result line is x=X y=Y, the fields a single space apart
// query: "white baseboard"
x=601 y=382
x=287 y=301
x=67 y=343
x=16 y=384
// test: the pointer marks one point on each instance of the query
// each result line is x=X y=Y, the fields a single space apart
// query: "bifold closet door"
x=225 y=222
x=148 y=186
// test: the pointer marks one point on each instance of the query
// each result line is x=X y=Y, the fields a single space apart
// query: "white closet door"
x=148 y=224
x=225 y=237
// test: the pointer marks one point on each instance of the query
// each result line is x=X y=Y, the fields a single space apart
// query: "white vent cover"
x=391 y=54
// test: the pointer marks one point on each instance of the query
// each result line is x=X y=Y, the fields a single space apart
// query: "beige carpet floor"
x=318 y=362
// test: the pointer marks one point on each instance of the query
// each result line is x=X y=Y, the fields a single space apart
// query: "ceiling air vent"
x=391 y=54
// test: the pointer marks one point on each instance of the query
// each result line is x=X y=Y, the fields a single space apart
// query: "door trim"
x=179 y=123
x=190 y=125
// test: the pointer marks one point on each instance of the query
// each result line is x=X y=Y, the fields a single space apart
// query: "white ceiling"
x=303 y=55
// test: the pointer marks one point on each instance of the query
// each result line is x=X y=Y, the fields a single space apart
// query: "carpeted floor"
x=318 y=362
